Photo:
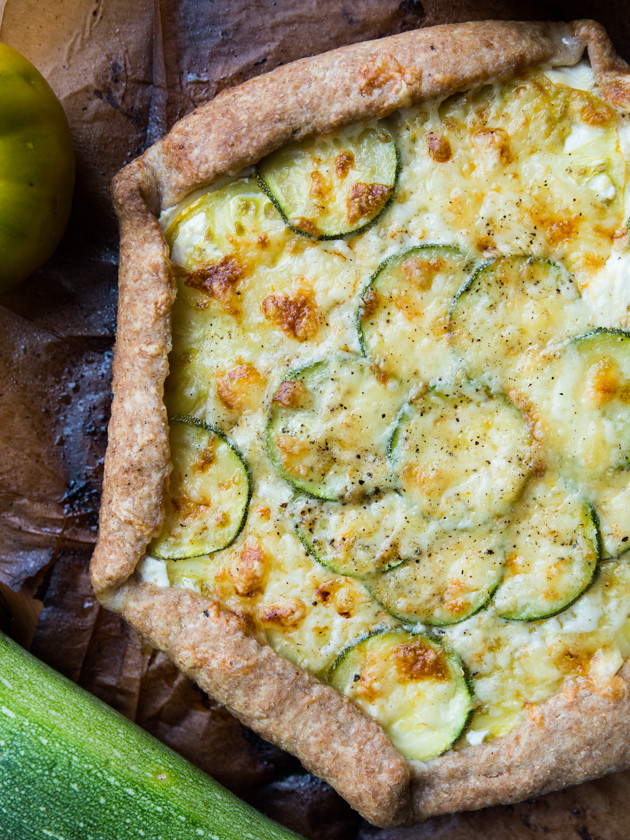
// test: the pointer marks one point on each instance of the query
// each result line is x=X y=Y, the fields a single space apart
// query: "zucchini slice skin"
x=72 y=768
x=461 y=455
x=404 y=309
x=315 y=432
x=510 y=305
x=358 y=539
x=610 y=496
x=209 y=493
x=454 y=577
x=414 y=686
x=583 y=395
x=317 y=187
x=553 y=550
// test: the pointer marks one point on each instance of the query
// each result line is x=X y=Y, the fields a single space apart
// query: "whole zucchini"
x=71 y=768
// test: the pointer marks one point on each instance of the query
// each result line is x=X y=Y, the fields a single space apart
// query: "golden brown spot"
x=341 y=596
x=240 y=387
x=318 y=188
x=598 y=114
x=364 y=201
x=287 y=615
x=343 y=164
x=603 y=384
x=207 y=457
x=218 y=281
x=439 y=147
x=421 y=272
x=368 y=685
x=559 y=229
x=306 y=226
x=247 y=568
x=493 y=141
x=263 y=241
x=457 y=603
x=262 y=511
x=617 y=93
x=416 y=660
x=294 y=312
x=370 y=303
x=290 y=393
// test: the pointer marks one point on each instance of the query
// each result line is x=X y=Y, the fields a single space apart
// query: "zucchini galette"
x=368 y=475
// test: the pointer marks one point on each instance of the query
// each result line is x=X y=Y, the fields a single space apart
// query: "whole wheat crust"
x=571 y=737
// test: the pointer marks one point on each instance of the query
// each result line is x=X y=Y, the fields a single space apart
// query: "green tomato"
x=36 y=168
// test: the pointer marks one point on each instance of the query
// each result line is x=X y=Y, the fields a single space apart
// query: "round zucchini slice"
x=584 y=399
x=461 y=455
x=404 y=308
x=220 y=223
x=414 y=687
x=328 y=428
x=359 y=538
x=509 y=306
x=453 y=578
x=610 y=496
x=332 y=185
x=209 y=492
x=552 y=551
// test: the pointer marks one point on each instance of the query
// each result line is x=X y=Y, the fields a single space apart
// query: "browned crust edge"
x=579 y=737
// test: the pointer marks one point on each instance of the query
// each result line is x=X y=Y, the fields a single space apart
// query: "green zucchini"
x=510 y=306
x=333 y=185
x=71 y=768
x=412 y=685
x=328 y=427
x=552 y=551
x=461 y=455
x=610 y=496
x=209 y=492
x=403 y=311
x=450 y=580
x=583 y=398
x=360 y=538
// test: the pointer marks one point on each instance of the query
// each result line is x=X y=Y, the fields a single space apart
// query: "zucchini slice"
x=359 y=538
x=209 y=492
x=610 y=496
x=328 y=428
x=461 y=455
x=403 y=312
x=412 y=685
x=452 y=578
x=584 y=400
x=332 y=185
x=509 y=306
x=552 y=551
x=218 y=223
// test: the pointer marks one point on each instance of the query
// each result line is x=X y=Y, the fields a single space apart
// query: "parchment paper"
x=125 y=72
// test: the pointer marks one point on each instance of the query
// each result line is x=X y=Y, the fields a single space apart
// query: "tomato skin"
x=36 y=168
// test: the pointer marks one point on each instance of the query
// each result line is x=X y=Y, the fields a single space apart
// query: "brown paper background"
x=125 y=71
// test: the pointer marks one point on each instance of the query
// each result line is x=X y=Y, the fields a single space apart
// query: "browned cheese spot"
x=287 y=615
x=603 y=384
x=559 y=229
x=207 y=457
x=240 y=387
x=494 y=142
x=370 y=303
x=306 y=226
x=439 y=147
x=343 y=164
x=341 y=596
x=420 y=272
x=247 y=568
x=456 y=599
x=416 y=660
x=290 y=394
x=318 y=188
x=295 y=312
x=596 y=115
x=364 y=200
x=219 y=281
x=617 y=93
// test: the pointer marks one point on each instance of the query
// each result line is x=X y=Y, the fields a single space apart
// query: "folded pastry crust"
x=573 y=736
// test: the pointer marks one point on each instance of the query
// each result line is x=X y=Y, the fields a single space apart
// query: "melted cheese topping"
x=532 y=166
